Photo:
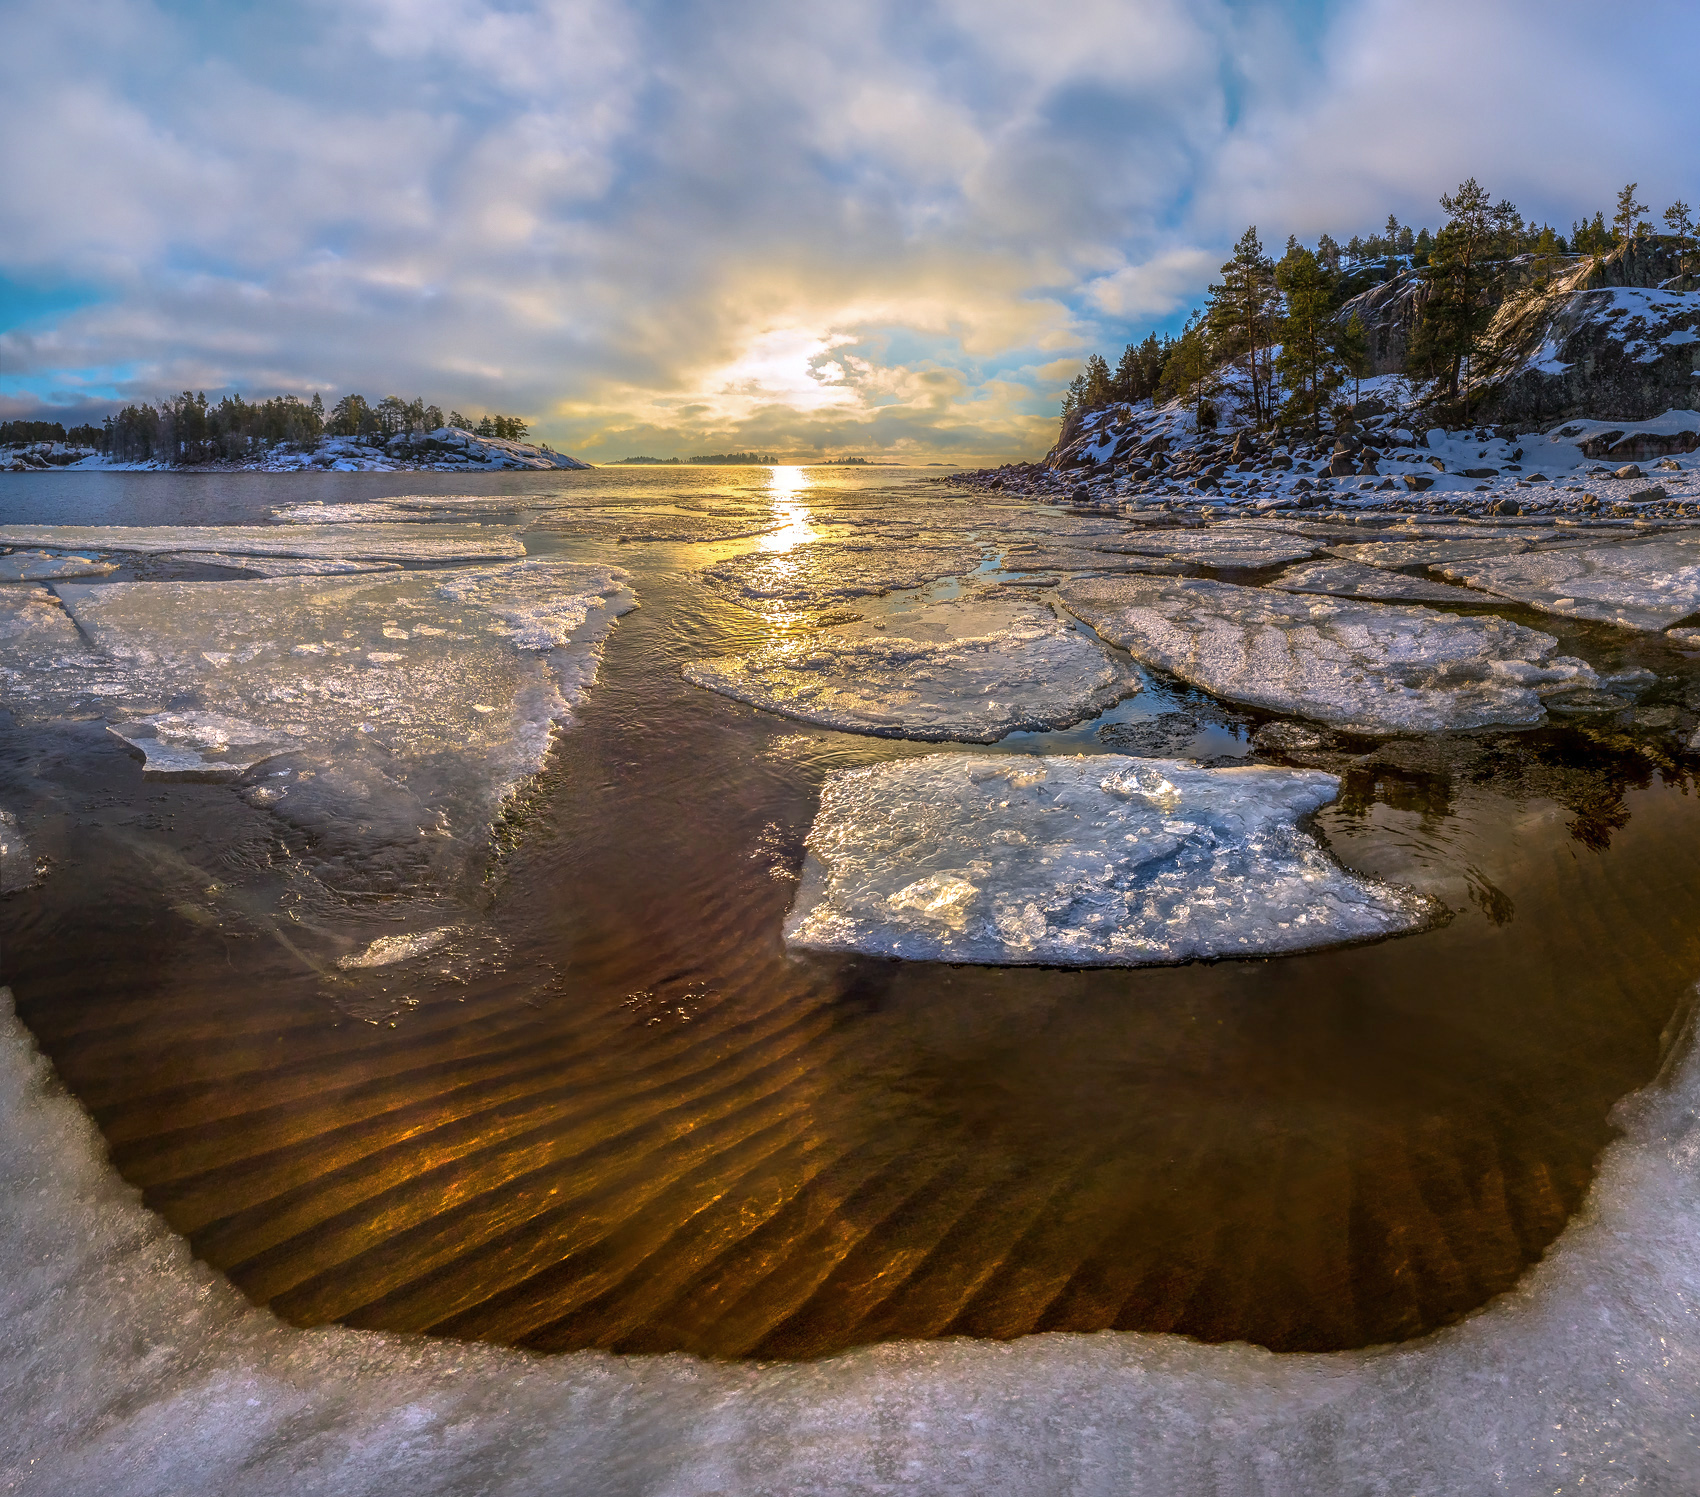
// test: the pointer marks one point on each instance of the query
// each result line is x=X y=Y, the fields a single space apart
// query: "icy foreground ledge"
x=417 y=543
x=1371 y=667
x=1099 y=860
x=972 y=672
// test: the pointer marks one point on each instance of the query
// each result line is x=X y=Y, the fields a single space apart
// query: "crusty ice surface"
x=1374 y=667
x=384 y=542
x=1048 y=558
x=1097 y=860
x=973 y=671
x=1351 y=579
x=1646 y=585
x=1219 y=546
x=1439 y=550
x=819 y=573
x=280 y=566
x=132 y=1369
x=34 y=566
x=199 y=745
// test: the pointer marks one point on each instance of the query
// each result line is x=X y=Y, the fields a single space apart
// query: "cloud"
x=870 y=226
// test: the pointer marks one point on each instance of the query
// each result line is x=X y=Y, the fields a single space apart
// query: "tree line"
x=1278 y=322
x=188 y=428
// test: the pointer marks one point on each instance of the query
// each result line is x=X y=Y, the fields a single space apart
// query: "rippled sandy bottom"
x=636 y=1123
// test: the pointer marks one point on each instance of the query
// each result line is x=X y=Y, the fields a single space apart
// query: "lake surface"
x=623 y=1116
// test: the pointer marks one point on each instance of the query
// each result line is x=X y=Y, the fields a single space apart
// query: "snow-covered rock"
x=972 y=671
x=1371 y=667
x=1088 y=861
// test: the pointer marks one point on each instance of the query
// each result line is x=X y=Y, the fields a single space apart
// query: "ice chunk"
x=1645 y=585
x=1098 y=860
x=1042 y=558
x=198 y=745
x=973 y=671
x=390 y=542
x=1435 y=551
x=32 y=566
x=280 y=566
x=1351 y=579
x=1373 y=667
x=1220 y=546
x=17 y=863
x=818 y=573
x=387 y=950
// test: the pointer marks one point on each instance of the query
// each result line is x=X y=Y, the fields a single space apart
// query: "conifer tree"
x=1679 y=223
x=1188 y=369
x=1239 y=314
x=1453 y=319
x=1351 y=343
x=1308 y=362
x=1628 y=214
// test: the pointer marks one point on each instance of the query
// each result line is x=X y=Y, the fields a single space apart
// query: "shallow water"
x=630 y=1120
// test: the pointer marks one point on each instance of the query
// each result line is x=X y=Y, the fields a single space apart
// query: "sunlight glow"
x=787 y=488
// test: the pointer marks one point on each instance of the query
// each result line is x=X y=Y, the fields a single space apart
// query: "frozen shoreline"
x=131 y=1368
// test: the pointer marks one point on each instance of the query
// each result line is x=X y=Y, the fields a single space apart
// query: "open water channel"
x=621 y=1115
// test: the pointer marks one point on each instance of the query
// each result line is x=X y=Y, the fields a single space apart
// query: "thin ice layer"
x=130 y=1369
x=199 y=745
x=389 y=542
x=970 y=671
x=1646 y=585
x=279 y=566
x=36 y=566
x=1441 y=550
x=1351 y=579
x=1099 y=860
x=818 y=573
x=1373 y=667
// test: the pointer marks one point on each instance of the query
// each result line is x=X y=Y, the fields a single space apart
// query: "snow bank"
x=1097 y=860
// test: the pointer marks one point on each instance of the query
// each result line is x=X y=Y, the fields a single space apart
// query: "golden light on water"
x=787 y=487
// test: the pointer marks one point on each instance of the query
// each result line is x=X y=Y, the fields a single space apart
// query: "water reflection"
x=786 y=491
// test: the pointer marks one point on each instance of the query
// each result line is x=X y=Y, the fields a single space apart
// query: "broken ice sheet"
x=973 y=671
x=1646 y=585
x=1098 y=860
x=279 y=566
x=1439 y=550
x=34 y=566
x=1351 y=579
x=818 y=573
x=395 y=713
x=1220 y=546
x=1372 y=667
x=386 y=542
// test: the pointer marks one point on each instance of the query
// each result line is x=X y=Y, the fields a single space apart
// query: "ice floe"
x=387 y=950
x=34 y=566
x=1219 y=546
x=972 y=671
x=383 y=542
x=1093 y=860
x=1439 y=550
x=1374 y=667
x=818 y=573
x=198 y=745
x=278 y=566
x=1351 y=579
x=1638 y=584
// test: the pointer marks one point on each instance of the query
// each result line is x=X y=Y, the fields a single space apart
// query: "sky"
x=883 y=228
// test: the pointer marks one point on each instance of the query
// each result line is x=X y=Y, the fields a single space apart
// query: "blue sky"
x=880 y=227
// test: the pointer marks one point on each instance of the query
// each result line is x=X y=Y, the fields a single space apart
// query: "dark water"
x=640 y=1124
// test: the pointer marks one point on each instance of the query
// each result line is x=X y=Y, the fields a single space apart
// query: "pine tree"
x=1239 y=314
x=1309 y=363
x=1188 y=370
x=1328 y=253
x=1453 y=319
x=1679 y=221
x=1628 y=214
x=1352 y=346
x=1097 y=387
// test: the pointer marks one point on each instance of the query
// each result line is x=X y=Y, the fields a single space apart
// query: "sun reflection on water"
x=787 y=487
